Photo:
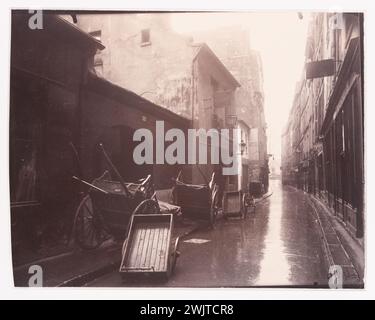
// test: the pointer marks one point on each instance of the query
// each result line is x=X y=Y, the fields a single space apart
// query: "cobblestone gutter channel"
x=335 y=250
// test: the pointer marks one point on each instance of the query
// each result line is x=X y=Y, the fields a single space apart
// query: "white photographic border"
x=8 y=291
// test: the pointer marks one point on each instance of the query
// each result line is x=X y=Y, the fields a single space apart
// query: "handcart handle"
x=122 y=182
x=144 y=182
x=179 y=176
x=90 y=185
x=177 y=244
x=77 y=158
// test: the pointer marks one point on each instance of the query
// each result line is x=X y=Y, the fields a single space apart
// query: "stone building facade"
x=49 y=68
x=146 y=56
x=323 y=142
x=232 y=46
x=60 y=111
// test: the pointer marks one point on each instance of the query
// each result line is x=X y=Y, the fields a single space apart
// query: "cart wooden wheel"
x=214 y=208
x=175 y=254
x=148 y=206
x=89 y=230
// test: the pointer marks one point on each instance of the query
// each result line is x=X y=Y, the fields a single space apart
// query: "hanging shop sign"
x=319 y=69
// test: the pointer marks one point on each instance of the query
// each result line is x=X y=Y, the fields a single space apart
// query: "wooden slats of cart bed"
x=148 y=245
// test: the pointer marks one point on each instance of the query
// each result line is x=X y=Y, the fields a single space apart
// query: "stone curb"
x=351 y=245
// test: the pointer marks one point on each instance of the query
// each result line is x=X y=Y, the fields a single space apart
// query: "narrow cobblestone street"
x=187 y=149
x=278 y=245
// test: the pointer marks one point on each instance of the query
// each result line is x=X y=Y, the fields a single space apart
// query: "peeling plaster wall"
x=159 y=71
x=175 y=94
x=164 y=70
x=232 y=46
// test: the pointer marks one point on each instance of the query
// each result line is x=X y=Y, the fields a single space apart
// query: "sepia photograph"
x=187 y=149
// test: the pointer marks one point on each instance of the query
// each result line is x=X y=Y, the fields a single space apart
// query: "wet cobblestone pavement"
x=279 y=244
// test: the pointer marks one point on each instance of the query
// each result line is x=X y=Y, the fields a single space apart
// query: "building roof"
x=203 y=47
x=76 y=32
x=58 y=27
x=132 y=100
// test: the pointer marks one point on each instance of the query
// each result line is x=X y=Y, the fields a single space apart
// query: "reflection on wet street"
x=278 y=245
x=292 y=253
x=274 y=267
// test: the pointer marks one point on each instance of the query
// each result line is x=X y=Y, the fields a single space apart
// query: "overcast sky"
x=280 y=38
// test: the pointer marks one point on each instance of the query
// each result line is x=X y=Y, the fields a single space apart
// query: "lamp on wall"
x=242 y=147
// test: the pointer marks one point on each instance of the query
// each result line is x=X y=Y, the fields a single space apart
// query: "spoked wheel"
x=214 y=209
x=89 y=229
x=148 y=206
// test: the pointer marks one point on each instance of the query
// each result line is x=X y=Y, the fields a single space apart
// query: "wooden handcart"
x=197 y=201
x=237 y=204
x=149 y=250
x=106 y=213
x=106 y=208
